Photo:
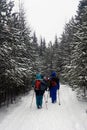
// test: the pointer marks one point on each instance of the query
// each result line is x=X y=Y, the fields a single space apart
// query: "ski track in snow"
x=70 y=115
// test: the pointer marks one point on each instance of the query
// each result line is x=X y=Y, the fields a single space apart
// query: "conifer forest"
x=22 y=54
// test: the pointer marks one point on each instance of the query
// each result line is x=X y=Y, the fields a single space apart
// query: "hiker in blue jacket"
x=54 y=86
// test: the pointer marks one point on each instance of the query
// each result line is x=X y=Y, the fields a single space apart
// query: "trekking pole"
x=45 y=102
x=47 y=97
x=59 y=97
x=32 y=100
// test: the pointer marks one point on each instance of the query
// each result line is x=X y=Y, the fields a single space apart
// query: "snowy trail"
x=70 y=115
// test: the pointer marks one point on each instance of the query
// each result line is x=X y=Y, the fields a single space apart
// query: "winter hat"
x=38 y=76
x=53 y=74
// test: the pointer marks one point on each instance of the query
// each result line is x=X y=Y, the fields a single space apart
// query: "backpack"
x=37 y=84
x=53 y=83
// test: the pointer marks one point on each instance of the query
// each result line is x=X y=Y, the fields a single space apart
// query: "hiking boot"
x=54 y=101
x=39 y=107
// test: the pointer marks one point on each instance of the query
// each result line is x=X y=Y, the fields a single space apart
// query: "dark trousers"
x=39 y=98
x=53 y=94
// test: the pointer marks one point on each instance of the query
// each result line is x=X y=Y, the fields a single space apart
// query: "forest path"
x=70 y=115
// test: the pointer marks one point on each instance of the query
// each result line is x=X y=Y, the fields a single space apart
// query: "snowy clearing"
x=70 y=115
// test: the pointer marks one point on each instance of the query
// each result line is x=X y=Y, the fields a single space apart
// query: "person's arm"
x=33 y=84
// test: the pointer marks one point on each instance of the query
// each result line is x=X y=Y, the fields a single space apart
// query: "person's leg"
x=37 y=101
x=53 y=95
x=53 y=98
x=41 y=100
x=50 y=93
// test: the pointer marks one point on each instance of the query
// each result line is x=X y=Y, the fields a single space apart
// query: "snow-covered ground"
x=70 y=115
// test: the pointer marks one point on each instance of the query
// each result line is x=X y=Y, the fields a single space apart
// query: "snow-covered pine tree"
x=42 y=49
x=64 y=55
x=44 y=57
x=80 y=47
x=49 y=57
x=5 y=49
x=36 y=58
x=15 y=53
x=57 y=57
x=24 y=51
x=66 y=47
